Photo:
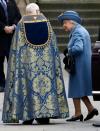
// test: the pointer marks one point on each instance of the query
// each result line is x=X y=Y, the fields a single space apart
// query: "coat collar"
x=73 y=29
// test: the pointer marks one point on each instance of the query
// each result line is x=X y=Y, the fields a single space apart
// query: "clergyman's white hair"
x=32 y=8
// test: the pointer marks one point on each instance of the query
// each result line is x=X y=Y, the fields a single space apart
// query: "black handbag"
x=69 y=62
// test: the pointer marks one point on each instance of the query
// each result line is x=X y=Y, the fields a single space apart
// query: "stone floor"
x=55 y=125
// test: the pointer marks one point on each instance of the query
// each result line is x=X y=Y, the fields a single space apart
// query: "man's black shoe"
x=43 y=121
x=96 y=125
x=28 y=122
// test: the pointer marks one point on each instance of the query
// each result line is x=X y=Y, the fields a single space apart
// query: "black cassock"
x=8 y=18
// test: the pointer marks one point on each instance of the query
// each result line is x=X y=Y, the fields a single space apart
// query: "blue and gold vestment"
x=34 y=86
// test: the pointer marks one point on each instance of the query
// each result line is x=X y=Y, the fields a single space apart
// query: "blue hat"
x=70 y=15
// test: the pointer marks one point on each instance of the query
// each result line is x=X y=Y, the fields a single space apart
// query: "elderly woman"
x=79 y=47
x=34 y=86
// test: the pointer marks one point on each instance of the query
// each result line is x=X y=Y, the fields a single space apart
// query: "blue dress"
x=34 y=86
x=80 y=83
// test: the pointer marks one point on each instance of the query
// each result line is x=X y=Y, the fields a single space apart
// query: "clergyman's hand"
x=9 y=29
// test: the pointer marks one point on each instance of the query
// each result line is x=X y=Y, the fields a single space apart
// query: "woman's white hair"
x=32 y=8
x=73 y=22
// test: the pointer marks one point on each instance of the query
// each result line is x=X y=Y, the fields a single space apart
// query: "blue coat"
x=80 y=84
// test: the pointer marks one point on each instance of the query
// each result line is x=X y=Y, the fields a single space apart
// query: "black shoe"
x=1 y=89
x=42 y=121
x=75 y=118
x=28 y=122
x=96 y=125
x=91 y=114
